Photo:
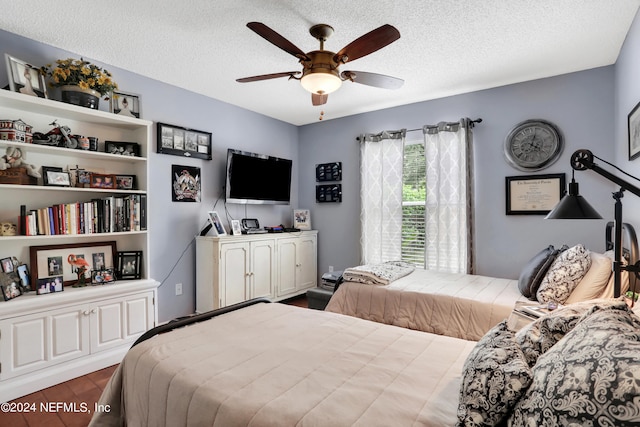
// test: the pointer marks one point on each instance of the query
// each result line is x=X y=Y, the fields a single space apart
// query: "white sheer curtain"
x=449 y=210
x=381 y=158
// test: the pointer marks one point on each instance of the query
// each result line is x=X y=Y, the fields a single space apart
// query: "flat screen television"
x=257 y=178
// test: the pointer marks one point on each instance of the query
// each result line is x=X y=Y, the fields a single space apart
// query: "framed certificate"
x=533 y=194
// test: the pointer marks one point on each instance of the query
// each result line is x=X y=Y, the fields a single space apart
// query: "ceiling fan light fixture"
x=321 y=82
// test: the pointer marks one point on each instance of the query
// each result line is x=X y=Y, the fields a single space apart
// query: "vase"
x=77 y=96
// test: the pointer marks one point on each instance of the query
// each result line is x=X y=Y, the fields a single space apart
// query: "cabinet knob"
x=85 y=312
x=94 y=310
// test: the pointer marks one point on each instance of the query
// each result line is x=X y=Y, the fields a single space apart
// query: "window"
x=414 y=189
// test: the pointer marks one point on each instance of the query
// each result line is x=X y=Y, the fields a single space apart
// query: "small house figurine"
x=16 y=130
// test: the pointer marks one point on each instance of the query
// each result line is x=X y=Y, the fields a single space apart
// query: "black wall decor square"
x=331 y=193
x=329 y=172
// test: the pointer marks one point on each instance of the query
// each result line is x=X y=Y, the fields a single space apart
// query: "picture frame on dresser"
x=50 y=261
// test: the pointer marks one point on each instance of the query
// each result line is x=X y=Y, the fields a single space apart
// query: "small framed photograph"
x=121 y=148
x=99 y=180
x=125 y=104
x=101 y=277
x=235 y=227
x=302 y=219
x=49 y=285
x=25 y=78
x=129 y=265
x=180 y=141
x=10 y=290
x=55 y=176
x=25 y=279
x=633 y=125
x=217 y=225
x=126 y=182
x=533 y=194
x=7 y=265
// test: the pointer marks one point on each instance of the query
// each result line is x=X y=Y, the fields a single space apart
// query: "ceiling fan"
x=320 y=68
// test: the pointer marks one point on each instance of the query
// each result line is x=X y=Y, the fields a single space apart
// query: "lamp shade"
x=321 y=82
x=573 y=206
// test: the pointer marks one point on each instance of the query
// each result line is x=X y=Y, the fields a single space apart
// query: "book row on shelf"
x=103 y=215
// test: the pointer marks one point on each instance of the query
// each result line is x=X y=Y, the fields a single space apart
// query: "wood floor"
x=82 y=391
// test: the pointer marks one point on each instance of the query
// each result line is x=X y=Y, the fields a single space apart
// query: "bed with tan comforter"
x=280 y=365
x=458 y=305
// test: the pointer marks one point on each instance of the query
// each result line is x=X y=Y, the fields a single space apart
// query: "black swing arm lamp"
x=572 y=206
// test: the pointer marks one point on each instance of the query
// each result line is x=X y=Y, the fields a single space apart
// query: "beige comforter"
x=279 y=365
x=457 y=305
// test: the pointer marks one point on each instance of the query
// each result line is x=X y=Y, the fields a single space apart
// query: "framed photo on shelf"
x=10 y=290
x=55 y=176
x=51 y=261
x=236 y=228
x=99 y=180
x=101 y=277
x=633 y=129
x=217 y=225
x=25 y=78
x=7 y=265
x=180 y=141
x=533 y=194
x=50 y=285
x=129 y=264
x=126 y=182
x=125 y=104
x=302 y=219
x=25 y=278
x=122 y=148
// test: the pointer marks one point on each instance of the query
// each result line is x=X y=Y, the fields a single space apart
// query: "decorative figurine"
x=82 y=267
x=14 y=158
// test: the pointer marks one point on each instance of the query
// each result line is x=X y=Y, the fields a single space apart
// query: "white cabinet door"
x=306 y=263
x=287 y=266
x=40 y=340
x=234 y=273
x=117 y=321
x=262 y=271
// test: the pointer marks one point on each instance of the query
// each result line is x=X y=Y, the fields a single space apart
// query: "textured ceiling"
x=446 y=47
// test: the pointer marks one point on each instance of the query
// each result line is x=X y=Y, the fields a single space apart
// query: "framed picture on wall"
x=533 y=194
x=180 y=141
x=633 y=129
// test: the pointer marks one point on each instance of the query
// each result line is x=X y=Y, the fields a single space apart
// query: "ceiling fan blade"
x=369 y=43
x=372 y=79
x=271 y=36
x=317 y=99
x=289 y=74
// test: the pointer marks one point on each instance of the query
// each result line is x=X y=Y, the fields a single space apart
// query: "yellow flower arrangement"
x=80 y=73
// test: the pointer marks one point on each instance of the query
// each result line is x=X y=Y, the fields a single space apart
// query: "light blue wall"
x=581 y=104
x=590 y=107
x=174 y=225
x=627 y=96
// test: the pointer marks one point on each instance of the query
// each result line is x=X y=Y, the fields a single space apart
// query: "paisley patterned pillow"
x=591 y=377
x=494 y=377
x=539 y=336
x=564 y=275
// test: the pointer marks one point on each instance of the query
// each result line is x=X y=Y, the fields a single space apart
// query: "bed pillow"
x=535 y=270
x=595 y=281
x=564 y=275
x=494 y=377
x=542 y=334
x=590 y=377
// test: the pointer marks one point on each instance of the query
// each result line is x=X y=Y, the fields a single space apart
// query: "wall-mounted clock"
x=533 y=145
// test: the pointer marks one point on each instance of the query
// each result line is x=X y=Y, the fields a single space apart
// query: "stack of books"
x=104 y=215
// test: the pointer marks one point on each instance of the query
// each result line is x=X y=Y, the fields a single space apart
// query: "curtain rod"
x=473 y=122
